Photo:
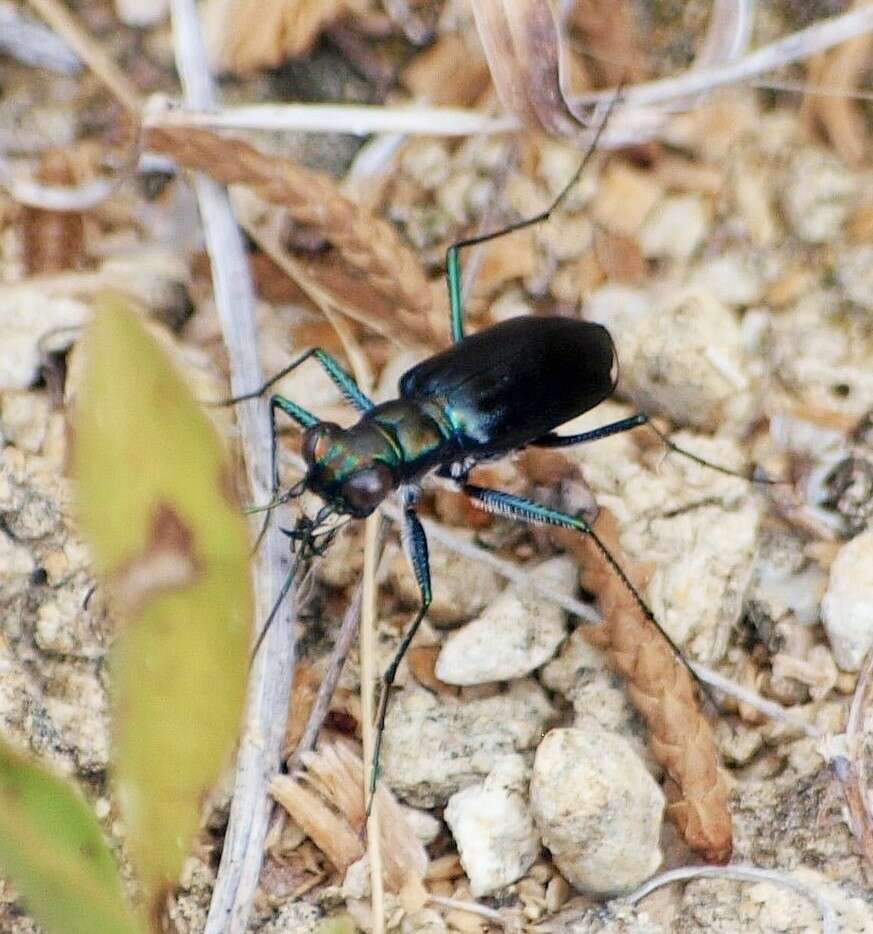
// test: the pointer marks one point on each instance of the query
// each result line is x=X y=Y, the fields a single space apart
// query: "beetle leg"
x=516 y=507
x=453 y=257
x=341 y=379
x=553 y=440
x=415 y=544
x=298 y=414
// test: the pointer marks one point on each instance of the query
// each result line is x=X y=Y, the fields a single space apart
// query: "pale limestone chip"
x=516 y=634
x=818 y=193
x=676 y=227
x=493 y=828
x=33 y=324
x=681 y=355
x=434 y=746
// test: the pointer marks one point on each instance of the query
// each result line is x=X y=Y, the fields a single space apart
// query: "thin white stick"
x=270 y=681
x=446 y=121
x=473 y=908
x=742 y=874
x=795 y=47
x=770 y=708
x=358 y=119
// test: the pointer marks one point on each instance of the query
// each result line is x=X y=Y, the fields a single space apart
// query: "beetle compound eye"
x=316 y=441
x=310 y=440
x=367 y=488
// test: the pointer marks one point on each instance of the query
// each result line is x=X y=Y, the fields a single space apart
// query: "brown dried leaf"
x=258 y=34
x=422 y=661
x=612 y=40
x=661 y=688
x=434 y=75
x=369 y=245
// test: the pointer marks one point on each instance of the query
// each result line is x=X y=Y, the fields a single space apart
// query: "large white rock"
x=491 y=824
x=517 y=633
x=598 y=809
x=847 y=608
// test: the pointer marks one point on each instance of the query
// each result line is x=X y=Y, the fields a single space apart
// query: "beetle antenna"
x=650 y=616
x=305 y=532
x=286 y=587
x=703 y=462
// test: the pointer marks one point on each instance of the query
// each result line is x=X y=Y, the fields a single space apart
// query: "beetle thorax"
x=351 y=468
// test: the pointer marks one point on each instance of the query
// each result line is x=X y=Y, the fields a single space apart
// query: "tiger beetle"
x=491 y=393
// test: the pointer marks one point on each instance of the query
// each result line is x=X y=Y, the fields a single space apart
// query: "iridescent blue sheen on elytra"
x=491 y=393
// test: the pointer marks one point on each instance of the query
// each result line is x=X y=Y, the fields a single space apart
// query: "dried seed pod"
x=369 y=245
x=661 y=688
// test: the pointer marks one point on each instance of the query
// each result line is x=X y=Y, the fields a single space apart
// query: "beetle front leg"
x=415 y=543
x=341 y=379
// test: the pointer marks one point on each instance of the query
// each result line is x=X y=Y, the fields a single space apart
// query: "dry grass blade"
x=368 y=244
x=328 y=285
x=521 y=44
x=662 y=690
x=532 y=68
x=851 y=771
x=331 y=812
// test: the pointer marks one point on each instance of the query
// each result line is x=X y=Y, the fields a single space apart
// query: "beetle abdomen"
x=510 y=384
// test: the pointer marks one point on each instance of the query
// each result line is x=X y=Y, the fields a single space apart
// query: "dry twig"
x=367 y=243
x=270 y=681
x=662 y=690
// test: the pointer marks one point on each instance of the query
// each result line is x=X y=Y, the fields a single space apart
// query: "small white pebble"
x=141 y=13
x=675 y=228
x=818 y=193
x=493 y=828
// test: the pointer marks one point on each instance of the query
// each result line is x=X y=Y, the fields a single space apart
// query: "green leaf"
x=341 y=924
x=157 y=507
x=52 y=849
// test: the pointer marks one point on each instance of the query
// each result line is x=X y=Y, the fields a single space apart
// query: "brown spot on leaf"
x=168 y=562
x=169 y=532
